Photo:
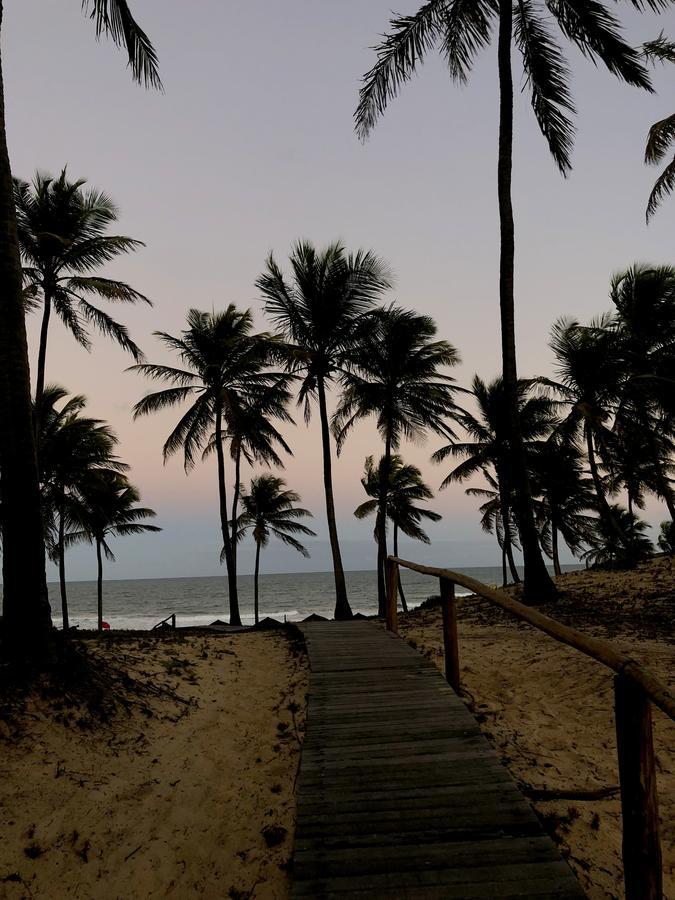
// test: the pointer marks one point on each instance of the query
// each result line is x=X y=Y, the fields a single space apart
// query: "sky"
x=250 y=147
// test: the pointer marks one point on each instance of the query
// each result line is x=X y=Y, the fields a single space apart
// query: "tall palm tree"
x=107 y=508
x=488 y=452
x=269 y=509
x=26 y=612
x=72 y=446
x=62 y=235
x=461 y=29
x=319 y=313
x=394 y=373
x=405 y=489
x=225 y=368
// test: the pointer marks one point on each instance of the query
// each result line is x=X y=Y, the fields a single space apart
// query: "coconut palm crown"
x=319 y=312
x=63 y=237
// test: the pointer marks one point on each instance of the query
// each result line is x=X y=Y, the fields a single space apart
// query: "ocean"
x=142 y=603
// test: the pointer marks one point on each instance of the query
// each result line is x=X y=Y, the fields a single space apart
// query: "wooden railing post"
x=639 y=804
x=391 y=570
x=450 y=640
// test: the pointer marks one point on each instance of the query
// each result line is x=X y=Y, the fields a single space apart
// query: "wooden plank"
x=399 y=794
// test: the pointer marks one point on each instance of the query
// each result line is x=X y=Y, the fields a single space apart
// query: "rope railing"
x=635 y=689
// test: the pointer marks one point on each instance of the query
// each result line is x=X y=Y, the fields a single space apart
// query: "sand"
x=548 y=710
x=183 y=799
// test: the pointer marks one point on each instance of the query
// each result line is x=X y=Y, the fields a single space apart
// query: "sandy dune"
x=180 y=803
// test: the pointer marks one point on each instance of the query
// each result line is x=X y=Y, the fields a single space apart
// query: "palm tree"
x=107 y=508
x=404 y=490
x=394 y=374
x=26 y=612
x=606 y=550
x=644 y=327
x=62 y=236
x=269 y=509
x=319 y=313
x=72 y=446
x=588 y=369
x=461 y=30
x=225 y=370
x=564 y=498
x=492 y=521
x=490 y=448
x=252 y=435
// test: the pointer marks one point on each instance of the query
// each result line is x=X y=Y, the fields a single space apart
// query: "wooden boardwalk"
x=399 y=794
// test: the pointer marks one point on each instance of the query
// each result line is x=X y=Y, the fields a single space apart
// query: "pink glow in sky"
x=251 y=147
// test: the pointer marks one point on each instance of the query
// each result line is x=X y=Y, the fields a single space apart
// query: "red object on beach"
x=105 y=626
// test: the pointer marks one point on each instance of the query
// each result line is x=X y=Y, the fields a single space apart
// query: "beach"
x=187 y=788
x=188 y=794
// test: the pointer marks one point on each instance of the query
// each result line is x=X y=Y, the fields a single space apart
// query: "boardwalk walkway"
x=399 y=794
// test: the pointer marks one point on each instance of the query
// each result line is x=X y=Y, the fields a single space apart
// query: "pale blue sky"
x=251 y=146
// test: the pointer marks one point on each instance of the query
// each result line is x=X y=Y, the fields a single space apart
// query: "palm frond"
x=114 y=18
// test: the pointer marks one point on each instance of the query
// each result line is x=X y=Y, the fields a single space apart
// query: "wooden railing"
x=169 y=619
x=635 y=689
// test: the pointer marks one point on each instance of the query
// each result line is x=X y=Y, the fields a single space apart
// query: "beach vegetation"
x=405 y=490
x=226 y=381
x=107 y=507
x=396 y=374
x=62 y=229
x=269 y=510
x=319 y=311
x=26 y=625
x=460 y=31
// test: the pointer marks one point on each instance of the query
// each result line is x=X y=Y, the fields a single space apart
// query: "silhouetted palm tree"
x=269 y=509
x=226 y=368
x=394 y=373
x=107 y=508
x=564 y=498
x=644 y=329
x=62 y=234
x=404 y=490
x=461 y=30
x=490 y=448
x=72 y=446
x=492 y=521
x=588 y=369
x=319 y=313
x=26 y=613
x=606 y=550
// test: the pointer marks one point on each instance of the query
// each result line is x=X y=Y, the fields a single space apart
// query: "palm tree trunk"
x=538 y=585
x=256 y=608
x=27 y=625
x=400 y=583
x=342 y=607
x=381 y=528
x=42 y=362
x=506 y=524
x=604 y=507
x=99 y=583
x=235 y=504
x=62 y=572
x=235 y=617
x=505 y=579
x=554 y=548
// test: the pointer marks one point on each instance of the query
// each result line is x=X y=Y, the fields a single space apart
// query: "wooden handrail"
x=634 y=688
x=600 y=650
x=171 y=618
